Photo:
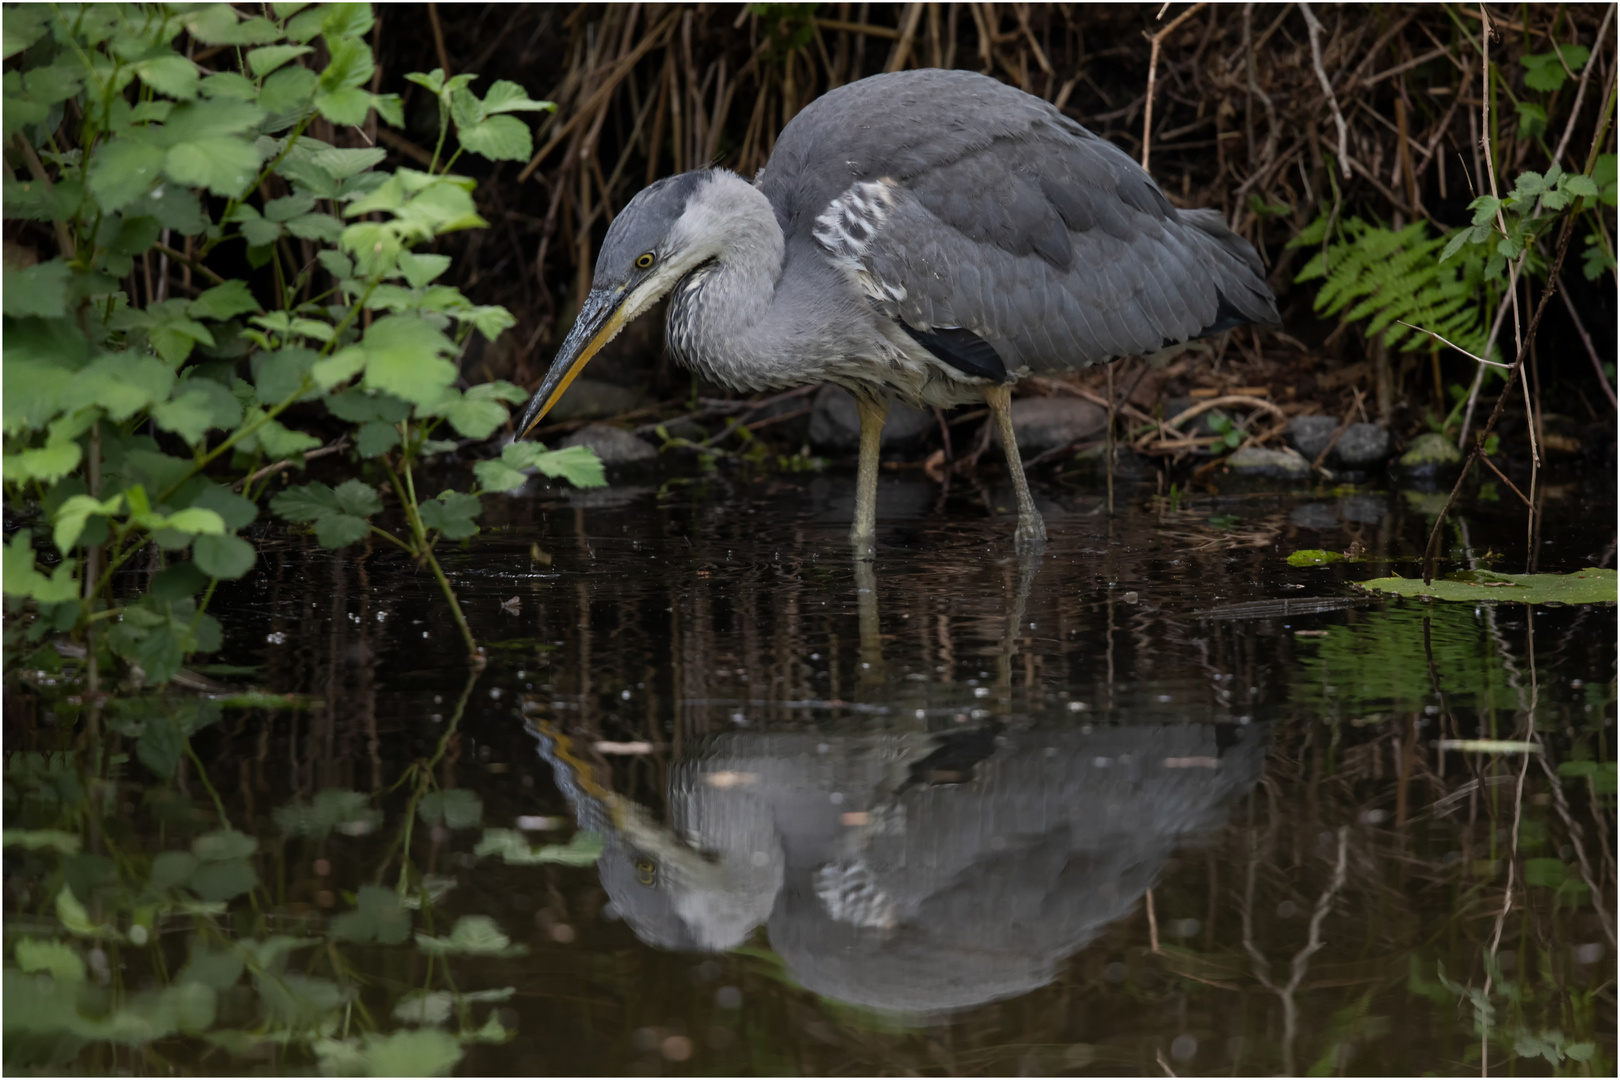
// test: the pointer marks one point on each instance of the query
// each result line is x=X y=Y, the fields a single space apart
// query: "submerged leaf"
x=1589 y=586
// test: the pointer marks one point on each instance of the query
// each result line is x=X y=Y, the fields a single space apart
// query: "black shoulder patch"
x=964 y=350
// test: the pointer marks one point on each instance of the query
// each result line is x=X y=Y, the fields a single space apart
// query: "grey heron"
x=928 y=235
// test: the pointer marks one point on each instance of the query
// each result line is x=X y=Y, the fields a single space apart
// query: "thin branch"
x=1454 y=345
x=1314 y=28
x=1153 y=74
x=1580 y=91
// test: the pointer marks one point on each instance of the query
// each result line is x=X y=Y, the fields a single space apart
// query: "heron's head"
x=668 y=230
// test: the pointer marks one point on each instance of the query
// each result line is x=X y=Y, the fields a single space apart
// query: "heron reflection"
x=912 y=871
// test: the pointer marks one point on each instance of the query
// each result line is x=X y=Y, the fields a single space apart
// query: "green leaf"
x=375 y=439
x=496 y=475
x=457 y=808
x=500 y=138
x=1546 y=873
x=76 y=920
x=232 y=85
x=123 y=170
x=23 y=579
x=473 y=935
x=75 y=513
x=420 y=270
x=311 y=502
x=506 y=96
x=341 y=530
x=359 y=406
x=34 y=839
x=289 y=91
x=223 y=301
x=278 y=375
x=323 y=227
x=341 y=163
x=347 y=106
x=224 y=164
x=170 y=870
x=1580 y=186
x=338 y=368
x=39 y=290
x=265 y=60
x=56 y=958
x=332 y=808
x=282 y=442
x=473 y=417
x=223 y=556
x=194 y=520
x=578 y=465
x=224 y=844
x=357 y=497
x=452 y=513
x=404 y=357
x=224 y=880
x=582 y=849
x=378 y=917
x=169 y=74
x=420 y=1052
x=1589 y=586
x=189 y=415
x=24 y=25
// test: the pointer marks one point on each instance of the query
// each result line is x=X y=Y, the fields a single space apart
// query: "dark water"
x=1155 y=802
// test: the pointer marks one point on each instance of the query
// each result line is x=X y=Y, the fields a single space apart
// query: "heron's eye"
x=645 y=871
x=645 y=261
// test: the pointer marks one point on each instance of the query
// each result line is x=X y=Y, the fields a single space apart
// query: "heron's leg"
x=864 y=530
x=1031 y=530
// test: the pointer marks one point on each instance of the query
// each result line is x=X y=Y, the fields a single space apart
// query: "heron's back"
x=957 y=201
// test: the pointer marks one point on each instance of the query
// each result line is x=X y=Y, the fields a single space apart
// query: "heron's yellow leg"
x=1031 y=530
x=864 y=531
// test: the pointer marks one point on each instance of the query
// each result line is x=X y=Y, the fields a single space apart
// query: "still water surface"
x=1156 y=802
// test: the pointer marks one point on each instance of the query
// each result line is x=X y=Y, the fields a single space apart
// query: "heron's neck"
x=720 y=316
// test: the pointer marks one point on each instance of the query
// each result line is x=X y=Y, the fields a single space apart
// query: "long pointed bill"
x=600 y=320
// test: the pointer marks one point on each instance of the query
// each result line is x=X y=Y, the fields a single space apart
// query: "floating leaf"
x=1589 y=586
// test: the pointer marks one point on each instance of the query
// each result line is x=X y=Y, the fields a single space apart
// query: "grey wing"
x=1055 y=248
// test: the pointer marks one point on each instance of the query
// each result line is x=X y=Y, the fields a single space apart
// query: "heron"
x=927 y=236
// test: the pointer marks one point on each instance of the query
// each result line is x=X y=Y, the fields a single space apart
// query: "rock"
x=1257 y=461
x=1318 y=516
x=1362 y=446
x=1429 y=454
x=614 y=446
x=591 y=398
x=1363 y=509
x=835 y=426
x=1050 y=423
x=1310 y=434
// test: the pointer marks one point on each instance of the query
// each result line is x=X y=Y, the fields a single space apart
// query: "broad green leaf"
x=310 y=502
x=278 y=375
x=404 y=356
x=123 y=170
x=350 y=62
x=24 y=25
x=378 y=916
x=332 y=808
x=496 y=475
x=473 y=935
x=229 y=84
x=500 y=138
x=31 y=392
x=196 y=521
x=474 y=418
x=507 y=96
x=169 y=74
x=1589 y=586
x=289 y=91
x=224 y=164
x=359 y=406
x=223 y=301
x=421 y=1052
x=72 y=516
x=264 y=60
x=189 y=415
x=346 y=106
x=357 y=497
x=323 y=227
x=341 y=530
x=38 y=290
x=498 y=390
x=375 y=439
x=224 y=880
x=1546 y=873
x=34 y=839
x=48 y=463
x=342 y=163
x=54 y=957
x=170 y=870
x=421 y=269
x=452 y=513
x=223 y=556
x=578 y=465
x=281 y=442
x=76 y=920
x=338 y=368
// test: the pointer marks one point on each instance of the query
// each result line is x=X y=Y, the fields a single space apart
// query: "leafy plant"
x=152 y=381
x=1392 y=278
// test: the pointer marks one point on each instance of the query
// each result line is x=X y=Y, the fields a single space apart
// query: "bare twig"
x=1153 y=73
x=1454 y=345
x=270 y=470
x=1580 y=91
x=1314 y=28
x=438 y=40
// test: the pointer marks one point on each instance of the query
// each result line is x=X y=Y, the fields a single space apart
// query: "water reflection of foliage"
x=155 y=937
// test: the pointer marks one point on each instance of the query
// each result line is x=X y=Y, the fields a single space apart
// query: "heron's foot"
x=1030 y=534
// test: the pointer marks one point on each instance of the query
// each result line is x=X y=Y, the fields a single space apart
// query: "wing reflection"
x=910 y=872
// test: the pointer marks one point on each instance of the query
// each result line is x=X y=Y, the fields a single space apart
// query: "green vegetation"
x=147 y=413
x=1589 y=586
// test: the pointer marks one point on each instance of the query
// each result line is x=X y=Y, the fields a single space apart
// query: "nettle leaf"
x=123 y=170
x=420 y=270
x=264 y=60
x=289 y=91
x=339 y=516
x=452 y=513
x=23 y=579
x=342 y=163
x=229 y=84
x=276 y=440
x=500 y=138
x=223 y=301
x=223 y=556
x=474 y=418
x=507 y=96
x=473 y=935
x=74 y=514
x=278 y=375
x=347 y=106
x=169 y=74
x=578 y=465
x=357 y=497
x=40 y=289
x=359 y=407
x=24 y=25
x=404 y=356
x=189 y=414
x=378 y=917
x=375 y=439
